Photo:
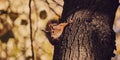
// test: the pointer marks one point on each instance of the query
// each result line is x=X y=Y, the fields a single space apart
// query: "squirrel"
x=54 y=30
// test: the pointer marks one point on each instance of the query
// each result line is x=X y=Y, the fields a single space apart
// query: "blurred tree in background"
x=15 y=41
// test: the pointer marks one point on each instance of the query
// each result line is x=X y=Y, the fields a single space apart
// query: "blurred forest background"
x=15 y=43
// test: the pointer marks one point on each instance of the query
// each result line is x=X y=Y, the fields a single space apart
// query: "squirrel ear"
x=50 y=25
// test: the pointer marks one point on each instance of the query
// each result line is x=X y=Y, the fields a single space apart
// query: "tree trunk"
x=90 y=36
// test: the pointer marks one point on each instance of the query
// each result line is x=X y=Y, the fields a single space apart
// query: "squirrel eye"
x=53 y=32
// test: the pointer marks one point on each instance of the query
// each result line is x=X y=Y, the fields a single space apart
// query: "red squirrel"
x=54 y=30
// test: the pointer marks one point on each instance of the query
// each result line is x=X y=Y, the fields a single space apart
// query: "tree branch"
x=57 y=3
x=52 y=8
x=31 y=38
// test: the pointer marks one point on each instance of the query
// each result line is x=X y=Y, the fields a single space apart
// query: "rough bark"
x=90 y=36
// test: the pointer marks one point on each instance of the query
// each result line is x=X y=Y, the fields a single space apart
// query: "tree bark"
x=90 y=36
